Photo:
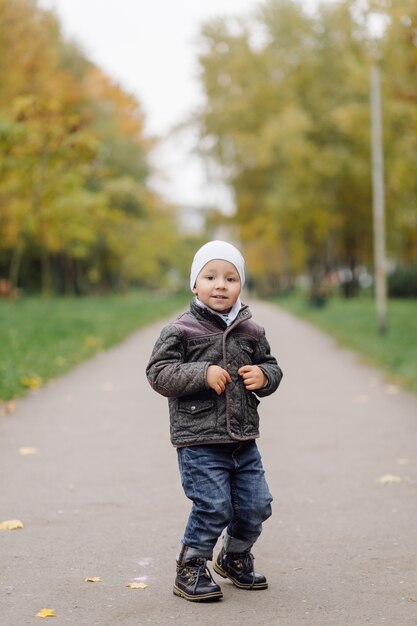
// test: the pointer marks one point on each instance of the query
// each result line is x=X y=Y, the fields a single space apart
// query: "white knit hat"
x=217 y=250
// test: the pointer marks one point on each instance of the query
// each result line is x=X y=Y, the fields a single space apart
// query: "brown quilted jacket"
x=178 y=366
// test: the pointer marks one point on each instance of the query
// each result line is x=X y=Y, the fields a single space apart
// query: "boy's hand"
x=217 y=378
x=253 y=377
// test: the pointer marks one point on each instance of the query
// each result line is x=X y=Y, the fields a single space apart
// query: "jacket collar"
x=204 y=313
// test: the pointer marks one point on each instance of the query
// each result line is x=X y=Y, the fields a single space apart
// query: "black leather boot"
x=238 y=567
x=194 y=581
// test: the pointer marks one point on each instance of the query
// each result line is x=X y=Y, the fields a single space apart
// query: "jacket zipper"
x=245 y=316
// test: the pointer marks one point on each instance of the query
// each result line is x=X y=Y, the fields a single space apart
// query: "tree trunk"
x=15 y=263
x=46 y=274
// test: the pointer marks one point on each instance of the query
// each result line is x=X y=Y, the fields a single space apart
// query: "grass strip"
x=352 y=322
x=42 y=338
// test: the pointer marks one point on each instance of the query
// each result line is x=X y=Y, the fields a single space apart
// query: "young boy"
x=209 y=362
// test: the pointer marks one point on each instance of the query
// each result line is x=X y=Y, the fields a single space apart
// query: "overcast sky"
x=150 y=48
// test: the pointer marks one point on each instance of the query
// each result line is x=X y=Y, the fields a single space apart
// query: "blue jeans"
x=226 y=483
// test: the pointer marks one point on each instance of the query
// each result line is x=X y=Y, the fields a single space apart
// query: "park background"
x=90 y=250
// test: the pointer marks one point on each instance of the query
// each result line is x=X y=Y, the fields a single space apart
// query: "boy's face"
x=218 y=285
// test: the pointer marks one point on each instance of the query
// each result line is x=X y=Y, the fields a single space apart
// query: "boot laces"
x=244 y=562
x=195 y=569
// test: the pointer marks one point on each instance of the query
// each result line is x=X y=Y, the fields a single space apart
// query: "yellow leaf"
x=46 y=613
x=92 y=342
x=11 y=524
x=389 y=479
x=137 y=585
x=361 y=399
x=7 y=407
x=26 y=451
x=93 y=579
x=32 y=382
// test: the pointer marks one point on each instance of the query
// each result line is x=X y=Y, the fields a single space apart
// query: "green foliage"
x=402 y=282
x=75 y=205
x=287 y=118
x=42 y=338
x=353 y=323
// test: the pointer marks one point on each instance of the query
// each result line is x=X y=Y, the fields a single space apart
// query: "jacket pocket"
x=246 y=350
x=246 y=346
x=253 y=401
x=195 y=407
x=193 y=420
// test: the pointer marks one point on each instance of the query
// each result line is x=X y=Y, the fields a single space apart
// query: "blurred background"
x=257 y=130
x=282 y=122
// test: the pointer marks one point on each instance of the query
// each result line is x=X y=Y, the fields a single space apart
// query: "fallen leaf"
x=27 y=451
x=403 y=461
x=413 y=599
x=46 y=613
x=107 y=387
x=7 y=407
x=31 y=382
x=11 y=524
x=389 y=479
x=392 y=390
x=94 y=579
x=137 y=585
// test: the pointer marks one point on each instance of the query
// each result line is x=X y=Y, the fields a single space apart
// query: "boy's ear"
x=194 y=290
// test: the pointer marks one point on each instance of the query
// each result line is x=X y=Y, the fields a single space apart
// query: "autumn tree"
x=397 y=52
x=287 y=119
x=74 y=195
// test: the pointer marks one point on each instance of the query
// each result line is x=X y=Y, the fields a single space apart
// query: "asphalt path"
x=102 y=495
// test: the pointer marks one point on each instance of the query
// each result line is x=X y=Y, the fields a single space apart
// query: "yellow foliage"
x=92 y=342
x=287 y=120
x=74 y=161
x=32 y=382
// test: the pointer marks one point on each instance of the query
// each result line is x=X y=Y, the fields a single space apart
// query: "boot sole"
x=236 y=583
x=215 y=595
